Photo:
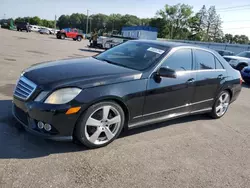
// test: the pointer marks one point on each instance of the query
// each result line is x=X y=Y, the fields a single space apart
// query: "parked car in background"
x=133 y=84
x=44 y=31
x=239 y=61
x=225 y=52
x=75 y=34
x=35 y=28
x=245 y=73
x=23 y=26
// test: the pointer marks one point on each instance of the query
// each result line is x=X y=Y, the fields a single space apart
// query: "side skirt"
x=166 y=117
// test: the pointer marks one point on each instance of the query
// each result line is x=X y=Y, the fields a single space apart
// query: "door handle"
x=191 y=80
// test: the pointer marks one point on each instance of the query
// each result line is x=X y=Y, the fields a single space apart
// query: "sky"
x=235 y=21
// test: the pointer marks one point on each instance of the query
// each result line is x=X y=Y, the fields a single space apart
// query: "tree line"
x=173 y=22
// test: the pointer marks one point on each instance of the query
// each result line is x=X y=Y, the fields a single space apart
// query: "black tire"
x=63 y=36
x=74 y=39
x=214 y=113
x=79 y=38
x=240 y=67
x=80 y=133
x=58 y=37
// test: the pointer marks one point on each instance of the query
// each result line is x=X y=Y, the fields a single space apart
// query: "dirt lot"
x=189 y=152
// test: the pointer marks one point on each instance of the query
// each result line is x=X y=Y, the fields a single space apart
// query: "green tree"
x=228 y=38
x=177 y=17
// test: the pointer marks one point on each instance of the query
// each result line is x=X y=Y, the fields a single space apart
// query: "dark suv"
x=20 y=26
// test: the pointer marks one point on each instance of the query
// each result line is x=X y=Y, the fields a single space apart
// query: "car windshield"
x=134 y=54
x=244 y=54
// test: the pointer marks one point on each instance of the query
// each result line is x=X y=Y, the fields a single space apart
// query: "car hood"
x=82 y=72
x=237 y=58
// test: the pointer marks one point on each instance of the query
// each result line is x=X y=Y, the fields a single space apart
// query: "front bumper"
x=29 y=113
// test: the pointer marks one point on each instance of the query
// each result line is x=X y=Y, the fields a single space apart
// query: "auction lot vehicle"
x=133 y=84
x=224 y=52
x=20 y=26
x=70 y=33
x=239 y=61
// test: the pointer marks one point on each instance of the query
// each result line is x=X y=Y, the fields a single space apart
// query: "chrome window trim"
x=169 y=109
x=186 y=47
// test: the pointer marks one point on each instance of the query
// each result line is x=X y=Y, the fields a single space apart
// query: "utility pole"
x=4 y=16
x=55 y=22
x=90 y=24
x=87 y=22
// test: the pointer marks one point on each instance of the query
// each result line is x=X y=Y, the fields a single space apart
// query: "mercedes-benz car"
x=134 y=84
x=239 y=61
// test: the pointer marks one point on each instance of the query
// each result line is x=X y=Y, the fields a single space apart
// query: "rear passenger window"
x=204 y=60
x=218 y=64
x=181 y=60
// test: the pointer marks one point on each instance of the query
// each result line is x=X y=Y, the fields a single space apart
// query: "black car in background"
x=133 y=84
x=224 y=52
x=23 y=26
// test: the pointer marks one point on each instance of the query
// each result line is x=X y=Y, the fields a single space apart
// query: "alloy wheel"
x=102 y=125
x=222 y=104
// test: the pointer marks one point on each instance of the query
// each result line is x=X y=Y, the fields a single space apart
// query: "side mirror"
x=166 y=72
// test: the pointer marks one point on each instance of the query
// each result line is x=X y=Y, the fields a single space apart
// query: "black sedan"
x=133 y=84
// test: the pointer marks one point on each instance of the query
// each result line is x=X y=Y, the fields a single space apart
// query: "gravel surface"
x=194 y=151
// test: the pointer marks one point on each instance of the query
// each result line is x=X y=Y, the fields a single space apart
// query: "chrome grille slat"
x=30 y=90
x=24 y=88
x=22 y=82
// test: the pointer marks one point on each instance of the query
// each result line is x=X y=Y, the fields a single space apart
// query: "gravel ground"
x=194 y=151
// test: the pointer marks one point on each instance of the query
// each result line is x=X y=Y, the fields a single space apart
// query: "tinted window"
x=204 y=60
x=179 y=60
x=218 y=64
x=134 y=55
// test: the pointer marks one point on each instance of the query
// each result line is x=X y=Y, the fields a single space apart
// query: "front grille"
x=24 y=88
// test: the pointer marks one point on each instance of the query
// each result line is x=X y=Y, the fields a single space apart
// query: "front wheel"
x=221 y=105
x=100 y=124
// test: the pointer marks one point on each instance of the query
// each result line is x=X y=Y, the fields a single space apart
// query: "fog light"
x=40 y=125
x=47 y=127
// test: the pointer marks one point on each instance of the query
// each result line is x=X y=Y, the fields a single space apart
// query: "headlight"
x=62 y=96
x=234 y=61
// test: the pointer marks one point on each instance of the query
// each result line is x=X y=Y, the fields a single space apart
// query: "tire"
x=63 y=36
x=221 y=105
x=103 y=132
x=58 y=37
x=79 y=38
x=74 y=39
x=240 y=66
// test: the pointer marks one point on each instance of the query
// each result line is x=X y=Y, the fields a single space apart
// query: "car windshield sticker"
x=155 y=50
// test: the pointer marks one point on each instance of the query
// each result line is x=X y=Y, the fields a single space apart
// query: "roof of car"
x=167 y=43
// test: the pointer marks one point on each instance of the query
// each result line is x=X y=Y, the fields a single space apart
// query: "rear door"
x=210 y=74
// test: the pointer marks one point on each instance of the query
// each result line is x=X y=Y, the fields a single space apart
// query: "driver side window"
x=181 y=60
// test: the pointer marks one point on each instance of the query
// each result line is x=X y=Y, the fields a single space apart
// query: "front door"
x=171 y=96
x=210 y=75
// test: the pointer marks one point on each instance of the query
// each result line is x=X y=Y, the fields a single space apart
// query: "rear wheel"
x=100 y=124
x=221 y=105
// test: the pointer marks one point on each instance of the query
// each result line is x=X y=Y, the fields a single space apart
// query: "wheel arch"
x=115 y=99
